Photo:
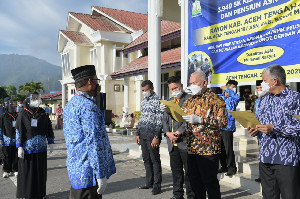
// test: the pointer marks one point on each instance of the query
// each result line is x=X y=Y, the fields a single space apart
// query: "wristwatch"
x=156 y=136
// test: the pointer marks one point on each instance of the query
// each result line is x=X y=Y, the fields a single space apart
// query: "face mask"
x=35 y=103
x=196 y=90
x=177 y=93
x=146 y=94
x=234 y=89
x=265 y=88
x=259 y=93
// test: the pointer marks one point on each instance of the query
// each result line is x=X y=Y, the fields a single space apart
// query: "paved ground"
x=123 y=185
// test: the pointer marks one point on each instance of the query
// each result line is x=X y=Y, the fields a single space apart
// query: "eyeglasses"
x=97 y=80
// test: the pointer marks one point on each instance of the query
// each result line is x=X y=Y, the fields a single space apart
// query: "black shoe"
x=231 y=173
x=156 y=190
x=222 y=170
x=257 y=180
x=145 y=187
x=174 y=197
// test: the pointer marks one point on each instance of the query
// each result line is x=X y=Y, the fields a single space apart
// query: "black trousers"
x=178 y=161
x=227 y=158
x=279 y=180
x=10 y=159
x=151 y=158
x=86 y=193
x=32 y=177
x=202 y=172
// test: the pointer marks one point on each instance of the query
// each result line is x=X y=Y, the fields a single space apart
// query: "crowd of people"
x=197 y=145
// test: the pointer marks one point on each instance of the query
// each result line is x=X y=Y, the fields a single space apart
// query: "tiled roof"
x=57 y=95
x=96 y=22
x=169 y=59
x=167 y=28
x=76 y=37
x=136 y=21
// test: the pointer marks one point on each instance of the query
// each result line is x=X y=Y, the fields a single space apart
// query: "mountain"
x=19 y=69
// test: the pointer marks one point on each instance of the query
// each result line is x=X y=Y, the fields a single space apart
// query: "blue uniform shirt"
x=231 y=103
x=282 y=146
x=89 y=154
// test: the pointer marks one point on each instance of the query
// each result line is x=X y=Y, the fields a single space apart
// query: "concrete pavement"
x=123 y=185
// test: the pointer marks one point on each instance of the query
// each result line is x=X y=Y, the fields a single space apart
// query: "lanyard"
x=31 y=112
x=84 y=97
x=13 y=116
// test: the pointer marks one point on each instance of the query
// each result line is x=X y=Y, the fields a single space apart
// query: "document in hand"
x=297 y=116
x=175 y=110
x=245 y=118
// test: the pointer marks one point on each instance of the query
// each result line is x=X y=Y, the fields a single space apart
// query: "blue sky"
x=30 y=27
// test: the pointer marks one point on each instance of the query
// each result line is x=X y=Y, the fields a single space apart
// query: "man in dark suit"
x=175 y=133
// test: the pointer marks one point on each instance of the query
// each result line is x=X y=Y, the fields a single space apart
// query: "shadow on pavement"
x=134 y=183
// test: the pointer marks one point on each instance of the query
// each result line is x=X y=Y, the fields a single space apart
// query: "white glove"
x=51 y=148
x=193 y=119
x=102 y=183
x=164 y=108
x=1 y=142
x=20 y=152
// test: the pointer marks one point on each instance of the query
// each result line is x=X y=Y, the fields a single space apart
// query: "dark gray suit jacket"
x=177 y=126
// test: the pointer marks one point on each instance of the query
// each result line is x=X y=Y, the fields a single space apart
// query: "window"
x=178 y=74
x=93 y=56
x=118 y=53
x=164 y=86
x=66 y=64
x=117 y=88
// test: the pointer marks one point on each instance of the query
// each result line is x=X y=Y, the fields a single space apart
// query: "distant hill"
x=19 y=69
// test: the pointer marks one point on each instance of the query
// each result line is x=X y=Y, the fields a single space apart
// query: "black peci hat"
x=82 y=72
x=258 y=82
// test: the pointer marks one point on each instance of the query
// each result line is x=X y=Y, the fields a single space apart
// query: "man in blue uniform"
x=278 y=136
x=227 y=158
x=89 y=161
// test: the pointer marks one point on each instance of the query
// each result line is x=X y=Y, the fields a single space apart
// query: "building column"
x=126 y=108
x=122 y=59
x=114 y=57
x=184 y=42
x=154 y=44
x=128 y=58
x=63 y=97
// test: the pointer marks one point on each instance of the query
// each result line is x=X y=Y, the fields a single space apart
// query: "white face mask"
x=177 y=93
x=196 y=90
x=146 y=94
x=35 y=103
x=234 y=89
x=259 y=93
x=265 y=88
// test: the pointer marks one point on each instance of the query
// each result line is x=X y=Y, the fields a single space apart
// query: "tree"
x=11 y=90
x=3 y=93
x=30 y=87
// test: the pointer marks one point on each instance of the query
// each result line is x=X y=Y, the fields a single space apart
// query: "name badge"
x=14 y=123
x=33 y=122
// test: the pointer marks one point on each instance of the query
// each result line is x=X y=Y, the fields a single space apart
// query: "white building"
x=116 y=42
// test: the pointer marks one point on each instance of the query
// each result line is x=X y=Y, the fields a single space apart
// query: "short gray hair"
x=276 y=71
x=200 y=74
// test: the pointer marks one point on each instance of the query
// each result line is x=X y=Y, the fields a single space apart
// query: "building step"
x=242 y=181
